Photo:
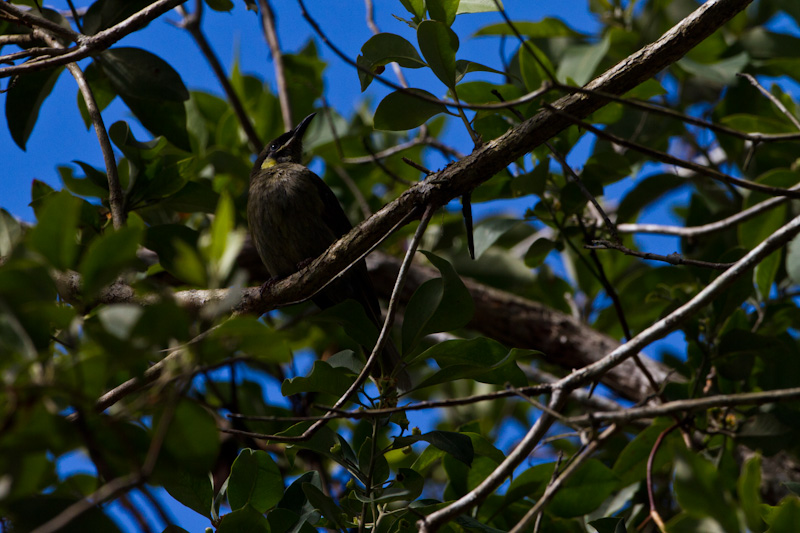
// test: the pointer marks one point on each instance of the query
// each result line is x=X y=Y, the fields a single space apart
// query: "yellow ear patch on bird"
x=268 y=163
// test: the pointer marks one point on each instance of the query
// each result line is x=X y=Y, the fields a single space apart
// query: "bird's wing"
x=333 y=214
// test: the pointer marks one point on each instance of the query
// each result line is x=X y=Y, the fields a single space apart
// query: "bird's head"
x=287 y=148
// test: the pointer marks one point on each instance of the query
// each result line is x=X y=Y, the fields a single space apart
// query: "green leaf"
x=533 y=73
x=609 y=525
x=192 y=489
x=255 y=481
x=325 y=504
x=24 y=99
x=400 y=110
x=631 y=463
x=443 y=10
x=322 y=378
x=584 y=490
x=793 y=260
x=55 y=234
x=478 y=6
x=415 y=7
x=481 y=359
x=253 y=337
x=719 y=73
x=456 y=444
x=441 y=304
x=699 y=491
x=488 y=231
x=192 y=440
x=87 y=186
x=246 y=519
x=748 y=488
x=580 y=61
x=546 y=28
x=464 y=67
x=786 y=517
x=538 y=251
x=439 y=45
x=107 y=257
x=103 y=14
x=385 y=48
x=10 y=232
x=140 y=74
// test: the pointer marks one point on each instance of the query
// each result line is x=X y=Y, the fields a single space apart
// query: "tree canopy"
x=135 y=331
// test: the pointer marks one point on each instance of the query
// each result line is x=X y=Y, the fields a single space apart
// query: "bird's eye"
x=273 y=146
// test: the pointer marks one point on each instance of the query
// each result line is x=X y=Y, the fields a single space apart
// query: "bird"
x=294 y=217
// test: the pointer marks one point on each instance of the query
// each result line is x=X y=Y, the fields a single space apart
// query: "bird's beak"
x=301 y=128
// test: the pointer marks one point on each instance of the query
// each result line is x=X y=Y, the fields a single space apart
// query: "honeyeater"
x=294 y=217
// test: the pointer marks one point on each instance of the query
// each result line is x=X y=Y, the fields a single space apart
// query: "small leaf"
x=748 y=488
x=534 y=72
x=546 y=28
x=443 y=10
x=585 y=490
x=10 y=232
x=464 y=67
x=385 y=48
x=456 y=444
x=255 y=481
x=610 y=524
x=439 y=44
x=192 y=489
x=793 y=260
x=400 y=110
x=538 y=251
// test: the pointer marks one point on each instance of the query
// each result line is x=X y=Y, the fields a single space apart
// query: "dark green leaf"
x=400 y=110
x=103 y=14
x=488 y=231
x=538 y=251
x=192 y=440
x=456 y=444
x=464 y=67
x=55 y=234
x=192 y=489
x=699 y=491
x=443 y=10
x=415 y=7
x=24 y=99
x=385 y=48
x=439 y=45
x=255 y=481
x=246 y=519
x=220 y=5
x=438 y=305
x=137 y=73
x=325 y=504
x=534 y=72
x=749 y=490
x=544 y=29
x=609 y=525
x=584 y=490
x=322 y=378
x=107 y=257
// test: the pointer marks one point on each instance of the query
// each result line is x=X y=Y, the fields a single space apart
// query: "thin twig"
x=271 y=34
x=650 y=496
x=673 y=258
x=672 y=160
x=192 y=23
x=771 y=97
x=86 y=45
x=116 y=198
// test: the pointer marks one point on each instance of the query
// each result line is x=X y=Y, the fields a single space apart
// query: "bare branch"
x=673 y=258
x=271 y=34
x=771 y=98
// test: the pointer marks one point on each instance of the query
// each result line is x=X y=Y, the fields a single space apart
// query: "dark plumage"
x=294 y=217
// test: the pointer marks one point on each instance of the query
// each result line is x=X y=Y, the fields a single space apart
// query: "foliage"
x=184 y=197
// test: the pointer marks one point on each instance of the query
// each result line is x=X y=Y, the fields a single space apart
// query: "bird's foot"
x=304 y=263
